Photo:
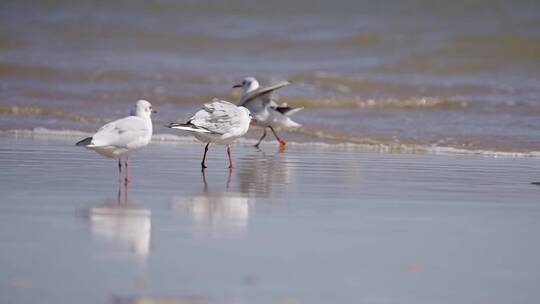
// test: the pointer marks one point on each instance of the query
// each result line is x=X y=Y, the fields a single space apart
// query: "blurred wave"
x=463 y=74
x=36 y=71
x=36 y=110
x=327 y=139
x=412 y=103
x=472 y=53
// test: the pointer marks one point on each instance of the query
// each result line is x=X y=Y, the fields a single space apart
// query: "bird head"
x=248 y=84
x=143 y=109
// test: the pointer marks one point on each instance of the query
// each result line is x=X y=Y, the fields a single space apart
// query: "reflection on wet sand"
x=121 y=223
x=224 y=213
x=259 y=173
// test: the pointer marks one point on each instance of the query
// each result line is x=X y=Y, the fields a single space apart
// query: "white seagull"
x=219 y=122
x=119 y=138
x=267 y=113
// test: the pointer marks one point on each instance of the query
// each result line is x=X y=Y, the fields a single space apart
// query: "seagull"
x=119 y=138
x=219 y=122
x=267 y=113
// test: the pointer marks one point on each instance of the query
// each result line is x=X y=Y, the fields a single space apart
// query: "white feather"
x=119 y=138
x=217 y=122
x=259 y=101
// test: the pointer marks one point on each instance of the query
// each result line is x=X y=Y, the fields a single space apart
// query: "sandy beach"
x=311 y=225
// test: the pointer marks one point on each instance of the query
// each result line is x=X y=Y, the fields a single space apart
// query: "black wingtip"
x=177 y=124
x=173 y=124
x=84 y=142
x=283 y=110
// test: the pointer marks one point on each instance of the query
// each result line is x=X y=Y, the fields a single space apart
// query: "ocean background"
x=414 y=75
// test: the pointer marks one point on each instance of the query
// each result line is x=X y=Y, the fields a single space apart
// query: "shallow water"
x=311 y=225
x=418 y=73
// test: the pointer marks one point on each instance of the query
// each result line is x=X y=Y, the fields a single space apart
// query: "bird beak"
x=253 y=120
x=237 y=86
x=153 y=110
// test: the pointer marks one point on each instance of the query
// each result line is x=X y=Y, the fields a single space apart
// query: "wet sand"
x=311 y=225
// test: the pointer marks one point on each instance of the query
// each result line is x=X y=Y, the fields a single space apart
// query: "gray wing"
x=121 y=132
x=218 y=116
x=262 y=94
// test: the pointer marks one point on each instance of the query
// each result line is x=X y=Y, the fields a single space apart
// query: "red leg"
x=204 y=157
x=282 y=143
x=127 y=175
x=260 y=140
x=229 y=154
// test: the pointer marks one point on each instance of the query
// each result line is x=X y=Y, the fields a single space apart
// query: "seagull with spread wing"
x=267 y=113
x=219 y=122
x=119 y=138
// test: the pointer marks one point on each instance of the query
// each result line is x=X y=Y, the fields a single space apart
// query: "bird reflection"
x=264 y=174
x=121 y=223
x=220 y=213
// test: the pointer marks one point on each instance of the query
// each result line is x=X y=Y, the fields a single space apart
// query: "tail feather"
x=187 y=127
x=292 y=124
x=85 y=142
x=288 y=111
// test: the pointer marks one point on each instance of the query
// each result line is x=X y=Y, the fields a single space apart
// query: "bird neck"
x=147 y=119
x=142 y=114
x=252 y=87
x=149 y=122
